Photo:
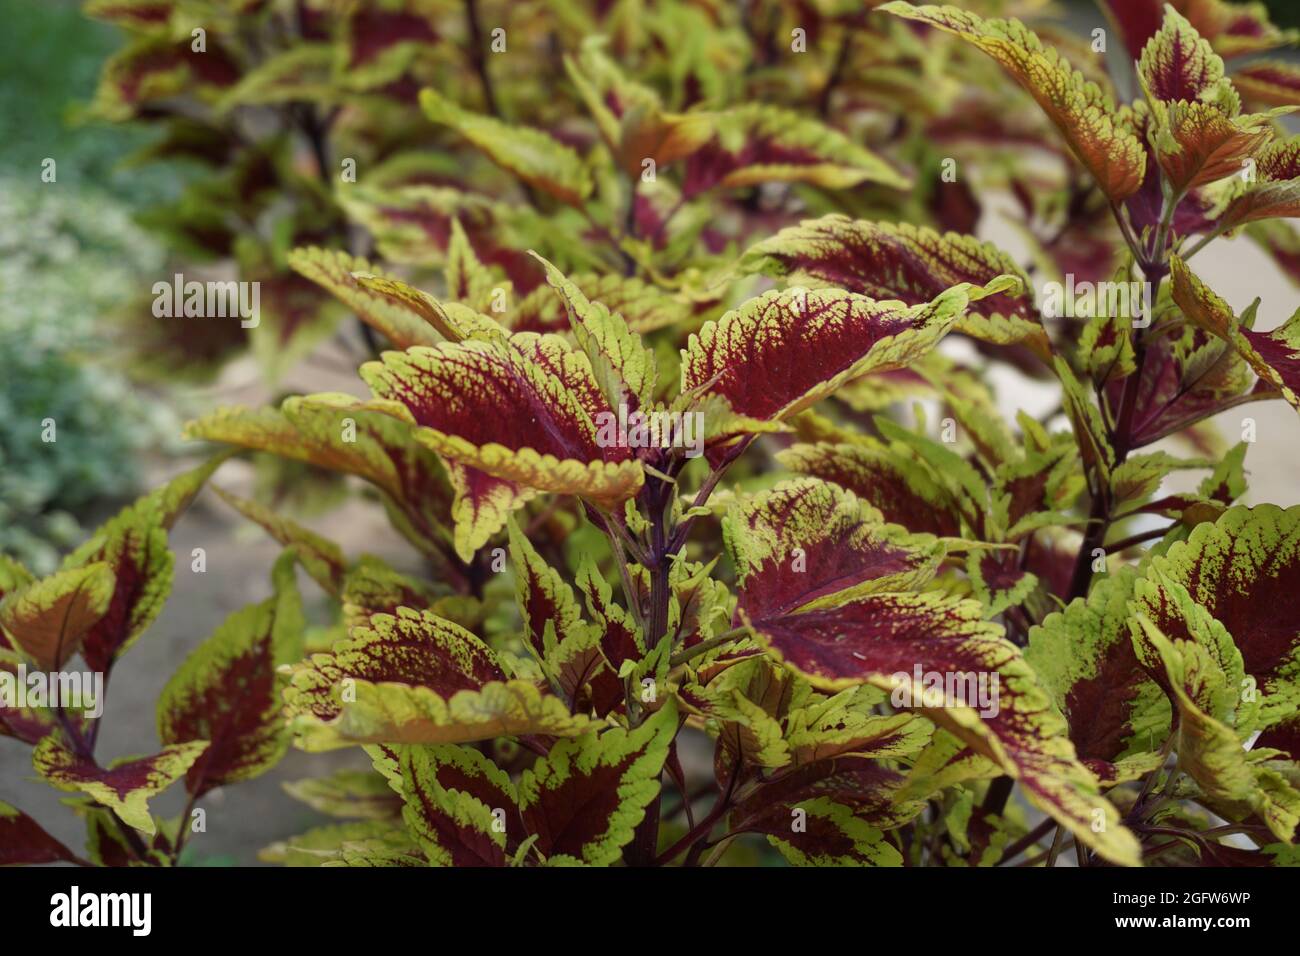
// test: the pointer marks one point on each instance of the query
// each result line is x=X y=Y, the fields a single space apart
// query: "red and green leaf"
x=1244 y=571
x=760 y=143
x=228 y=691
x=1274 y=356
x=783 y=351
x=415 y=678
x=584 y=799
x=126 y=785
x=47 y=620
x=1081 y=110
x=459 y=806
x=522 y=413
x=911 y=263
x=1084 y=658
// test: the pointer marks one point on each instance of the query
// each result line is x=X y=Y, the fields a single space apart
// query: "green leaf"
x=533 y=156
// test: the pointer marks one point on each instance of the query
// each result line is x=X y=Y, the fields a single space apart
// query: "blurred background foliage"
x=69 y=255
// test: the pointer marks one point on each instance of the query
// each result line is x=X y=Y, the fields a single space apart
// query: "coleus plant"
x=665 y=510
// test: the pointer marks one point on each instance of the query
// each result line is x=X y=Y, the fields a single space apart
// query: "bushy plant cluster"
x=649 y=436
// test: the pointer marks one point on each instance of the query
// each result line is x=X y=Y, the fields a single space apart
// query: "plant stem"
x=479 y=59
x=1056 y=847
x=1028 y=840
x=995 y=800
x=695 y=650
x=1138 y=538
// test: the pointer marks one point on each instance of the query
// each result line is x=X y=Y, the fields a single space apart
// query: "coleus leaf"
x=946 y=762
x=1200 y=143
x=1208 y=748
x=338 y=433
x=1233 y=28
x=142 y=15
x=781 y=352
x=846 y=723
x=154 y=67
x=412 y=224
x=624 y=368
x=334 y=271
x=522 y=412
x=29 y=724
x=901 y=489
x=829 y=813
x=837 y=636
x=1268 y=82
x=621 y=638
x=459 y=806
x=380 y=41
x=415 y=678
x=822 y=832
x=902 y=261
x=452 y=321
x=1275 y=356
x=1085 y=115
x=1085 y=417
x=585 y=798
x=228 y=691
x=356 y=843
x=1274 y=192
x=1084 y=658
x=744 y=704
x=1177 y=63
x=567 y=647
x=134 y=547
x=882 y=638
x=758 y=143
x=469 y=281
x=1187 y=376
x=533 y=156
x=48 y=619
x=642 y=305
x=1244 y=571
x=24 y=842
x=126 y=786
x=630 y=116
x=348 y=794
x=1197 y=133
x=998 y=580
x=301 y=73
x=807 y=542
x=13 y=576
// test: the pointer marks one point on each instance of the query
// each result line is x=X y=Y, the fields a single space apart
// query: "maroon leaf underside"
x=24 y=842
